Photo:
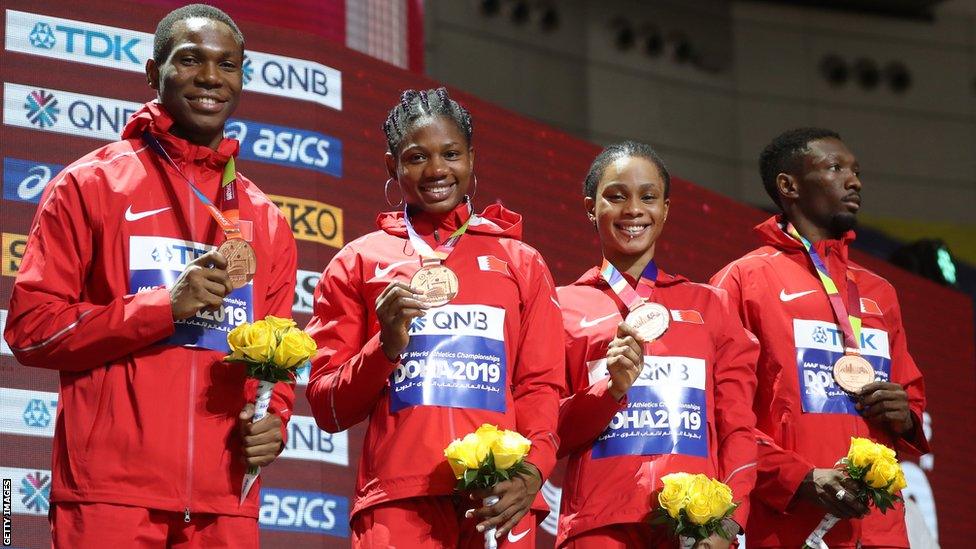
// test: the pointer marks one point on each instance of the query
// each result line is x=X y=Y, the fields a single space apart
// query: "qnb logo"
x=37 y=414
x=42 y=108
x=41 y=36
x=35 y=489
x=247 y=70
x=417 y=325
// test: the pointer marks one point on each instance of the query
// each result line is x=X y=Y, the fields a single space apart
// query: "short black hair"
x=163 y=41
x=784 y=153
x=416 y=105
x=624 y=149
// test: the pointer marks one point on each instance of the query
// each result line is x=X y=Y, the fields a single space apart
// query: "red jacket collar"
x=592 y=278
x=153 y=117
x=771 y=233
x=494 y=220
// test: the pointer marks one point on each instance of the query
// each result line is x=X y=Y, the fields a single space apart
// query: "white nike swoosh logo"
x=784 y=297
x=381 y=272
x=514 y=538
x=132 y=216
x=590 y=323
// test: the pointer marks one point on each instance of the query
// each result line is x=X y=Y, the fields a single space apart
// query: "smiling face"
x=826 y=194
x=199 y=83
x=433 y=165
x=629 y=209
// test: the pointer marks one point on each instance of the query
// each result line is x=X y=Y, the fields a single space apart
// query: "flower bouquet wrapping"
x=694 y=507
x=271 y=349
x=879 y=478
x=484 y=458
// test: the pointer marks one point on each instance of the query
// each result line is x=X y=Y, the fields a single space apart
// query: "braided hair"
x=415 y=106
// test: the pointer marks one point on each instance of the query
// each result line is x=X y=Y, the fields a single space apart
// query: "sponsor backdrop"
x=309 y=124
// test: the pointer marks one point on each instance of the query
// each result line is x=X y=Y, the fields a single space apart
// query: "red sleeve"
x=735 y=389
x=905 y=372
x=586 y=413
x=779 y=471
x=350 y=370
x=281 y=295
x=50 y=325
x=537 y=379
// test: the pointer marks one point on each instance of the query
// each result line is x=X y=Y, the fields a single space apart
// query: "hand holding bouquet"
x=695 y=507
x=271 y=349
x=878 y=475
x=484 y=458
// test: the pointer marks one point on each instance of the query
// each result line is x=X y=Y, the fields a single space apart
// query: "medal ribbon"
x=428 y=255
x=632 y=298
x=228 y=217
x=850 y=324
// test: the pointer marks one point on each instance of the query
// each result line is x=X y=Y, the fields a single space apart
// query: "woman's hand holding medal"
x=202 y=285
x=396 y=307
x=625 y=360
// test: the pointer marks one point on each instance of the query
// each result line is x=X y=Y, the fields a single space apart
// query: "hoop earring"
x=386 y=194
x=475 y=191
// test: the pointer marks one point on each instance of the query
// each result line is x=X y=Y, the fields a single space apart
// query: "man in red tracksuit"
x=121 y=291
x=805 y=419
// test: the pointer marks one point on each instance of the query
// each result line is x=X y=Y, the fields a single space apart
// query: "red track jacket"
x=804 y=419
x=489 y=356
x=608 y=479
x=143 y=419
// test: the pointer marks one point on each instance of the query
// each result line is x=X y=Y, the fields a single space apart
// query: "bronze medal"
x=852 y=373
x=438 y=283
x=650 y=320
x=241 y=262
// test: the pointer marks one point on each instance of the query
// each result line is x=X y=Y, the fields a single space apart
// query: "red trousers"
x=620 y=536
x=431 y=522
x=101 y=525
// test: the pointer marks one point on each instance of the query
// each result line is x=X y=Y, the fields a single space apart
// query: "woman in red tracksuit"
x=646 y=404
x=438 y=322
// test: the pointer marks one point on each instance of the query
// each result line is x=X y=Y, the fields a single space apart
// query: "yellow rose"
x=254 y=342
x=882 y=473
x=673 y=495
x=280 y=325
x=899 y=483
x=699 y=508
x=863 y=452
x=721 y=499
x=461 y=456
x=294 y=348
x=509 y=448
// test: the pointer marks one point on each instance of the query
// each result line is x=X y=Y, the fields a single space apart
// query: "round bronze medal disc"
x=438 y=284
x=852 y=373
x=650 y=320
x=241 y=262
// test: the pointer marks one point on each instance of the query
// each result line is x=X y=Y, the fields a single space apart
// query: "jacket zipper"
x=190 y=436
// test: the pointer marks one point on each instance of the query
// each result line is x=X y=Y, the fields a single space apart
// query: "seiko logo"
x=13 y=249
x=311 y=220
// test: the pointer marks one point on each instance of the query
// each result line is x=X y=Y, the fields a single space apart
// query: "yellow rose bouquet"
x=879 y=478
x=271 y=349
x=484 y=458
x=694 y=507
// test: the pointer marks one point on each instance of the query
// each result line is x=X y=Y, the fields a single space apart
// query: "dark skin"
x=433 y=167
x=822 y=200
x=199 y=84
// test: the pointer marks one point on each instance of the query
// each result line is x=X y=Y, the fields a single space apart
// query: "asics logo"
x=514 y=538
x=136 y=216
x=381 y=272
x=784 y=297
x=584 y=323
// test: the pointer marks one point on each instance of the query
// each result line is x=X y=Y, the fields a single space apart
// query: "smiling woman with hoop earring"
x=438 y=322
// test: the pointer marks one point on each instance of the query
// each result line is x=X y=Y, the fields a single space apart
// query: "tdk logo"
x=24 y=180
x=41 y=36
x=827 y=336
x=37 y=414
x=298 y=511
x=89 y=42
x=287 y=146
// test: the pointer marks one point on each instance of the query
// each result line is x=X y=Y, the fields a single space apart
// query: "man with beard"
x=833 y=363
